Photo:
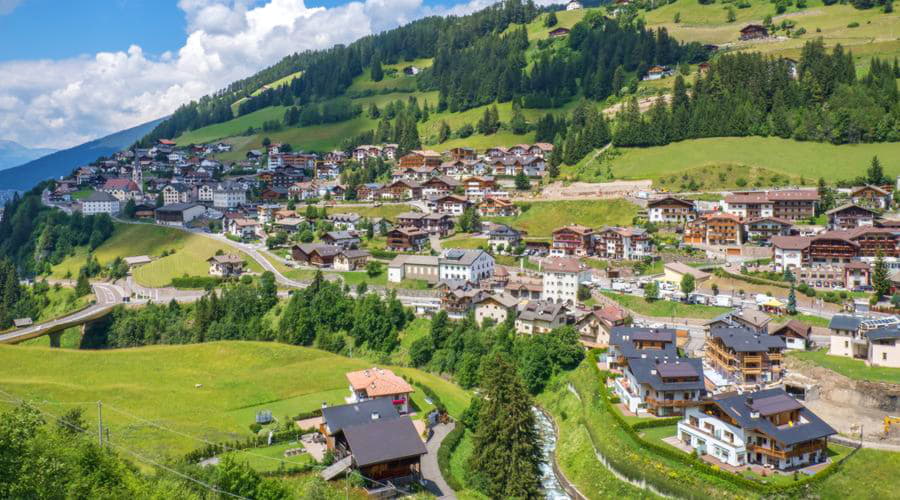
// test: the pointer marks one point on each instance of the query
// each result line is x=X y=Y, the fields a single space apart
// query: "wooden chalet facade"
x=574 y=239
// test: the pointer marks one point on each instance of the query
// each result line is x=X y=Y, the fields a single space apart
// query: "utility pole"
x=100 y=422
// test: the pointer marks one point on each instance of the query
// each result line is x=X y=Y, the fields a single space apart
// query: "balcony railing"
x=784 y=454
x=678 y=403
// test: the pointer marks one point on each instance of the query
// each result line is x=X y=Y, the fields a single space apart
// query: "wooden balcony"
x=798 y=450
x=752 y=359
x=677 y=403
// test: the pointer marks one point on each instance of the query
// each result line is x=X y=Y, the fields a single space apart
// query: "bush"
x=196 y=282
x=445 y=452
x=854 y=24
x=255 y=428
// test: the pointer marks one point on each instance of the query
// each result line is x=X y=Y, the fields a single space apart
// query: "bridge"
x=108 y=296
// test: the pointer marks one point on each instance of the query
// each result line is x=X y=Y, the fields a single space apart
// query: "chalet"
x=536 y=317
x=402 y=190
x=574 y=239
x=420 y=158
x=477 y=188
x=449 y=204
x=670 y=210
x=345 y=221
x=716 y=229
x=503 y=236
x=787 y=204
x=361 y=153
x=496 y=152
x=289 y=225
x=368 y=192
x=872 y=197
x=745 y=356
x=750 y=319
x=541 y=149
x=337 y=418
x=241 y=227
x=796 y=334
x=274 y=193
x=594 y=328
x=627 y=343
x=327 y=171
x=658 y=73
x=753 y=32
x=661 y=386
x=389 y=151
x=849 y=216
x=315 y=254
x=469 y=266
x=383 y=450
x=497 y=207
x=857 y=274
x=558 y=32
x=413 y=267
x=495 y=306
x=439 y=186
x=178 y=214
x=620 y=243
x=351 y=260
x=764 y=228
x=343 y=239
x=835 y=247
x=406 y=239
x=768 y=428
x=462 y=153
x=458 y=298
x=439 y=224
x=523 y=287
x=674 y=272
x=380 y=383
x=225 y=265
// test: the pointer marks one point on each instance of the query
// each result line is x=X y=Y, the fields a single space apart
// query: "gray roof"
x=886 y=333
x=176 y=207
x=381 y=441
x=341 y=235
x=541 y=310
x=768 y=402
x=745 y=340
x=339 y=417
x=460 y=257
x=99 y=196
x=643 y=371
x=844 y=322
x=623 y=338
x=353 y=254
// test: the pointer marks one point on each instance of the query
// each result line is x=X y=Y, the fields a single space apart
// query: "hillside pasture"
x=231 y=128
x=540 y=218
x=146 y=387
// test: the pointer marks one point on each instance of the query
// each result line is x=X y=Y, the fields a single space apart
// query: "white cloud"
x=61 y=103
x=7 y=6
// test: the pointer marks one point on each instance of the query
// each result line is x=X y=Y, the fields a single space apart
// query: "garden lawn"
x=540 y=218
x=387 y=211
x=666 y=308
x=869 y=474
x=159 y=385
x=787 y=157
x=806 y=318
x=458 y=464
x=851 y=368
x=264 y=458
x=464 y=241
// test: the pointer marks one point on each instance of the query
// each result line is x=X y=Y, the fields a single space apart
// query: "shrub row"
x=382 y=254
x=212 y=450
x=445 y=452
x=198 y=282
x=749 y=279
x=696 y=462
x=656 y=422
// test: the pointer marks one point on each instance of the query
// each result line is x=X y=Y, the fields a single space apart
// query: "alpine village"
x=635 y=249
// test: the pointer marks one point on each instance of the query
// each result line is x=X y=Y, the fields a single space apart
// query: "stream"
x=553 y=489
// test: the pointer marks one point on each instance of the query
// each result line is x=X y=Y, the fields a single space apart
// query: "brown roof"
x=770 y=196
x=611 y=313
x=790 y=242
x=796 y=326
x=228 y=258
x=563 y=265
x=378 y=382
x=575 y=228
x=670 y=199
x=873 y=188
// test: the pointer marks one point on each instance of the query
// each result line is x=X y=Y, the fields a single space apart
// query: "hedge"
x=197 y=282
x=697 y=462
x=382 y=254
x=749 y=279
x=445 y=452
x=256 y=441
x=656 y=422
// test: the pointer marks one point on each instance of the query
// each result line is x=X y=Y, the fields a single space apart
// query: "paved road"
x=431 y=472
x=108 y=296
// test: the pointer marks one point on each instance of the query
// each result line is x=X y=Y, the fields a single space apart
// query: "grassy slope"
x=388 y=211
x=231 y=127
x=666 y=308
x=851 y=368
x=158 y=384
x=786 y=157
x=191 y=252
x=543 y=217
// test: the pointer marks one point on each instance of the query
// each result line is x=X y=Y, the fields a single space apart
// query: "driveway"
x=431 y=473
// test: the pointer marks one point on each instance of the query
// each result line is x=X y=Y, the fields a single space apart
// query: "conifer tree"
x=881 y=281
x=792 y=301
x=507 y=452
x=377 y=71
x=443 y=132
x=550 y=21
x=570 y=155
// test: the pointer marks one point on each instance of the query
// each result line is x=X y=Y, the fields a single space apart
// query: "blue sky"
x=76 y=70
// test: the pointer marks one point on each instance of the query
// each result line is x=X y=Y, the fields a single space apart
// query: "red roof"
x=166 y=142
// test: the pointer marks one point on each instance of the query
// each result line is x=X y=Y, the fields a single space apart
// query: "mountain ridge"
x=13 y=154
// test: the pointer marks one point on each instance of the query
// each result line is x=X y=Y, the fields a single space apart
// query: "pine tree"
x=881 y=281
x=792 y=301
x=550 y=21
x=522 y=182
x=570 y=155
x=443 y=132
x=83 y=286
x=377 y=71
x=875 y=173
x=506 y=459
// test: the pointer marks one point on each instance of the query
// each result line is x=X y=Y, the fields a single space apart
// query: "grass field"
x=157 y=384
x=387 y=211
x=542 y=217
x=786 y=157
x=191 y=252
x=232 y=127
x=666 y=308
x=850 y=368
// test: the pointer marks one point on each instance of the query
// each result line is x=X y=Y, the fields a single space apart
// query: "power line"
x=130 y=451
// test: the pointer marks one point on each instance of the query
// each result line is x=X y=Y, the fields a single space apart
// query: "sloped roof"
x=741 y=339
x=381 y=441
x=378 y=382
x=742 y=406
x=339 y=417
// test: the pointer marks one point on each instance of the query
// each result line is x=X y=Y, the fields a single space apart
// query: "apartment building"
x=561 y=277
x=788 y=204
x=715 y=229
x=574 y=239
x=744 y=356
x=663 y=387
x=622 y=243
x=671 y=210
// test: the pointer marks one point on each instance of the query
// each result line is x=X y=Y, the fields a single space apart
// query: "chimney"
x=375 y=415
x=324 y=404
x=652 y=372
x=749 y=401
x=643 y=355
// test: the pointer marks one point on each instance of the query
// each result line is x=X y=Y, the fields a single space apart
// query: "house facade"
x=574 y=239
x=561 y=277
x=671 y=210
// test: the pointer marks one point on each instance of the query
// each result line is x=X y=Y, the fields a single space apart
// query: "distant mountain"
x=13 y=154
x=24 y=177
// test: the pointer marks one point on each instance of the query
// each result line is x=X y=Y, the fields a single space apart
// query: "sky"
x=73 y=71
